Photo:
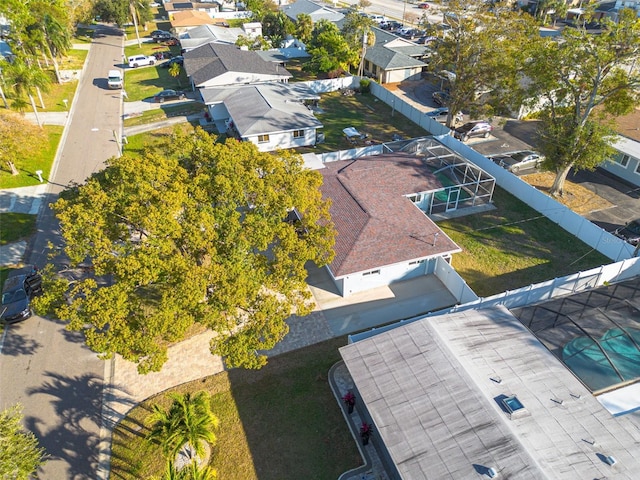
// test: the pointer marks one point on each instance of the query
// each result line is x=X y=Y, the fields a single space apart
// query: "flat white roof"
x=434 y=388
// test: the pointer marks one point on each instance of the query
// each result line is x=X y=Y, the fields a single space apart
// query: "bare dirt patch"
x=576 y=197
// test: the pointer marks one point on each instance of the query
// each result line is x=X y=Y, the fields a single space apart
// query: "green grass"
x=278 y=423
x=27 y=168
x=16 y=226
x=162 y=113
x=367 y=114
x=514 y=246
x=144 y=82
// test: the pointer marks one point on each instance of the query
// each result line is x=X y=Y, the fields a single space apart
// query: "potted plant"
x=365 y=432
x=350 y=401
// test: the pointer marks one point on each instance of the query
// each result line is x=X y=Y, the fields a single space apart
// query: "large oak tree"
x=196 y=233
x=579 y=82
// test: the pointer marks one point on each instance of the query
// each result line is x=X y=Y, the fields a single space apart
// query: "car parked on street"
x=114 y=79
x=424 y=5
x=440 y=114
x=473 y=129
x=159 y=34
x=141 y=61
x=18 y=290
x=390 y=25
x=516 y=161
x=630 y=233
x=441 y=98
x=168 y=95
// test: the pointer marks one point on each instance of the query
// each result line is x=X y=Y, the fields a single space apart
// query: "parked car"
x=160 y=33
x=179 y=60
x=630 y=232
x=516 y=161
x=162 y=37
x=440 y=115
x=377 y=18
x=473 y=129
x=18 y=290
x=423 y=5
x=168 y=95
x=141 y=61
x=390 y=25
x=441 y=98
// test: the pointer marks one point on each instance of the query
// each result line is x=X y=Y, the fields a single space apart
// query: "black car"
x=390 y=25
x=473 y=129
x=17 y=292
x=162 y=37
x=168 y=95
x=160 y=34
x=630 y=232
x=441 y=98
x=179 y=60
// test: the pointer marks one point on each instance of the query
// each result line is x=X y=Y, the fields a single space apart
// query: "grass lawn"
x=364 y=112
x=27 y=168
x=16 y=226
x=144 y=82
x=159 y=114
x=278 y=423
x=514 y=246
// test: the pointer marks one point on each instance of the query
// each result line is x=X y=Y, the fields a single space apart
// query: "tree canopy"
x=195 y=233
x=20 y=455
x=20 y=139
x=329 y=50
x=579 y=83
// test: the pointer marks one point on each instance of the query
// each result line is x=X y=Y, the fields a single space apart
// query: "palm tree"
x=24 y=79
x=189 y=423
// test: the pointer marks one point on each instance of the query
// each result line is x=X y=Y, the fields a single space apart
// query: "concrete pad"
x=12 y=254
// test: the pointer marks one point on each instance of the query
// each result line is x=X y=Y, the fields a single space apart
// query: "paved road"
x=47 y=369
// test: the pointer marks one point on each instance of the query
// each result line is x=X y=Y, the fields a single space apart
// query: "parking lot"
x=511 y=135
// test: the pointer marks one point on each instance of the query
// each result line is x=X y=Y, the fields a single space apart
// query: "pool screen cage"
x=596 y=334
x=464 y=184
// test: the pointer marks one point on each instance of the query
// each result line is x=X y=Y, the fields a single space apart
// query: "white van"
x=378 y=18
x=114 y=80
x=141 y=61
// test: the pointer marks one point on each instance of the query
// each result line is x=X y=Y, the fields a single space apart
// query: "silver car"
x=516 y=161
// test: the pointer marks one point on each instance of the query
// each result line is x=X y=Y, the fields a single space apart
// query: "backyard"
x=280 y=422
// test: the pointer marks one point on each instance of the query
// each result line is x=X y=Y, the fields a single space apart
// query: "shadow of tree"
x=16 y=344
x=81 y=410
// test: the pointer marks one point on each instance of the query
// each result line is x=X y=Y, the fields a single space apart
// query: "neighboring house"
x=198 y=36
x=271 y=115
x=211 y=8
x=186 y=20
x=474 y=394
x=5 y=51
x=393 y=59
x=316 y=11
x=252 y=29
x=383 y=235
x=626 y=164
x=218 y=65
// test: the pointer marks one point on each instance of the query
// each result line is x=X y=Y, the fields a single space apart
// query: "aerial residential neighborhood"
x=360 y=240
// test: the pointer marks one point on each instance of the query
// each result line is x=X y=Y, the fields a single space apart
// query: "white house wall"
x=239 y=78
x=382 y=276
x=278 y=141
x=396 y=76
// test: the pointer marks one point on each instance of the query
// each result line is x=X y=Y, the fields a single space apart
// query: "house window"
x=374 y=69
x=623 y=160
x=638 y=168
x=298 y=134
x=372 y=272
x=263 y=138
x=367 y=65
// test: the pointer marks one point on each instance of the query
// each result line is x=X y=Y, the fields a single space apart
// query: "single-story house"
x=217 y=65
x=474 y=394
x=203 y=34
x=316 y=11
x=271 y=115
x=626 y=163
x=393 y=59
x=211 y=8
x=186 y=20
x=383 y=235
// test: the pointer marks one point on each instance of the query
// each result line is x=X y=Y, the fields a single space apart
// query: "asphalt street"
x=47 y=369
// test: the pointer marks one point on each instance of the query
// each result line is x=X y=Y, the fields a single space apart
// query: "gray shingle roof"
x=428 y=386
x=214 y=59
x=316 y=11
x=376 y=224
x=270 y=108
x=389 y=59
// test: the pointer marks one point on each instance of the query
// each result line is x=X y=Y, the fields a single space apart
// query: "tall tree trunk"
x=40 y=98
x=35 y=110
x=557 y=189
x=12 y=167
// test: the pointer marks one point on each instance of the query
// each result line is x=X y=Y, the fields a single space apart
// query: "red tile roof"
x=376 y=224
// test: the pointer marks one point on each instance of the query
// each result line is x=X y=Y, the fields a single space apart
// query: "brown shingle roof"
x=376 y=224
x=191 y=18
x=629 y=125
